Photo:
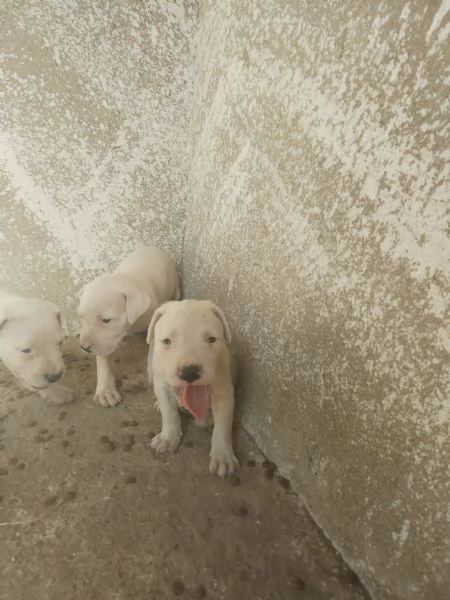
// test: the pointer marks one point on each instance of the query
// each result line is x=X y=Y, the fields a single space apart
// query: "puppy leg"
x=170 y=436
x=223 y=461
x=106 y=393
x=150 y=372
x=58 y=394
x=150 y=363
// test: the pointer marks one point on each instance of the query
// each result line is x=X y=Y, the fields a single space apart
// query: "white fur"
x=30 y=344
x=189 y=326
x=128 y=297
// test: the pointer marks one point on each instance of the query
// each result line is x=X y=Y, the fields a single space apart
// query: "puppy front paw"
x=223 y=461
x=107 y=396
x=58 y=394
x=166 y=442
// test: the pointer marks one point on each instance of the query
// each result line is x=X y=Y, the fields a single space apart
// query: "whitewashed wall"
x=318 y=217
x=93 y=137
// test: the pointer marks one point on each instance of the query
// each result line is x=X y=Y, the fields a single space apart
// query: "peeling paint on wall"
x=93 y=137
x=318 y=218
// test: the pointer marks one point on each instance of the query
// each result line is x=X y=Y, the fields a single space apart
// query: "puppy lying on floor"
x=190 y=364
x=30 y=345
x=115 y=305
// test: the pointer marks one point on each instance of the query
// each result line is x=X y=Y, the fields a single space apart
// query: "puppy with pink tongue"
x=189 y=363
x=195 y=399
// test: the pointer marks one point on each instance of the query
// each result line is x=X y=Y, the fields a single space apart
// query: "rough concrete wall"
x=318 y=219
x=93 y=137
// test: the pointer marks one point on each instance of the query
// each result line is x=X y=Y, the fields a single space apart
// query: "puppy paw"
x=223 y=461
x=166 y=442
x=107 y=396
x=59 y=394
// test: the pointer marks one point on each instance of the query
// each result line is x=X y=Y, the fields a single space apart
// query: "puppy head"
x=189 y=338
x=108 y=307
x=31 y=341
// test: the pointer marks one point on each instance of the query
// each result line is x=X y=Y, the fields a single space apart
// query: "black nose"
x=87 y=349
x=53 y=377
x=190 y=373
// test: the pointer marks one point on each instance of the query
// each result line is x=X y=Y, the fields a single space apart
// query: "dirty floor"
x=88 y=511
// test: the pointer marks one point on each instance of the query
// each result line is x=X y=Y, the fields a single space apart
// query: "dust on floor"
x=110 y=520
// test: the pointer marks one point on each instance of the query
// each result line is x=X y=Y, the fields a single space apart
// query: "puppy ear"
x=56 y=310
x=151 y=328
x=137 y=304
x=5 y=316
x=219 y=313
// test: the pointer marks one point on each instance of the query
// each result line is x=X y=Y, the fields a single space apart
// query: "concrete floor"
x=88 y=511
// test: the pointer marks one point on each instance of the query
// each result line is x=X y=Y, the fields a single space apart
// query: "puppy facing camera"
x=190 y=365
x=31 y=340
x=121 y=303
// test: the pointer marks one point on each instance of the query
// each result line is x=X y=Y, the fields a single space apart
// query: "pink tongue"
x=195 y=398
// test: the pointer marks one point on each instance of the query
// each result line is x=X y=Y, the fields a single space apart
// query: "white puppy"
x=30 y=345
x=190 y=363
x=123 y=302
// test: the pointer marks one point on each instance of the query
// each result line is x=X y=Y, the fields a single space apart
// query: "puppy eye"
x=212 y=339
x=26 y=350
x=60 y=343
x=166 y=342
x=106 y=321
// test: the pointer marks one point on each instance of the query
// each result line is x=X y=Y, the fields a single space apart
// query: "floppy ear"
x=56 y=311
x=151 y=328
x=137 y=304
x=4 y=317
x=6 y=314
x=79 y=295
x=218 y=312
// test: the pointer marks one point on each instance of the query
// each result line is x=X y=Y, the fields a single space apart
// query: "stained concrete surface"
x=113 y=521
